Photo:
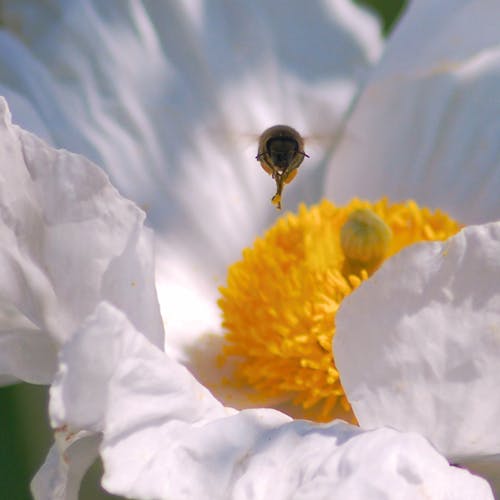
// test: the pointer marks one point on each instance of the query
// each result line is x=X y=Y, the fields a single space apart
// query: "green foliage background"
x=388 y=11
x=25 y=435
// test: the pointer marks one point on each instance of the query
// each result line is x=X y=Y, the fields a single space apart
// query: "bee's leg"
x=276 y=199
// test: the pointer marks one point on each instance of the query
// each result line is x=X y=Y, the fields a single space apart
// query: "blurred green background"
x=25 y=436
x=388 y=11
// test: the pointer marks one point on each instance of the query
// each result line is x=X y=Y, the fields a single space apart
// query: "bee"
x=280 y=153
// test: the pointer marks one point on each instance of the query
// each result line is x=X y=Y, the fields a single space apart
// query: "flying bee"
x=281 y=152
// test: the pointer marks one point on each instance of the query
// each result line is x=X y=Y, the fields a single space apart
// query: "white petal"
x=67 y=241
x=426 y=126
x=418 y=344
x=69 y=458
x=165 y=436
x=99 y=344
x=166 y=120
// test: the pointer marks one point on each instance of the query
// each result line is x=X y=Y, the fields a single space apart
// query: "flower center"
x=280 y=300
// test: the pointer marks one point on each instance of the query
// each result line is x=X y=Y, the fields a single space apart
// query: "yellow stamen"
x=280 y=300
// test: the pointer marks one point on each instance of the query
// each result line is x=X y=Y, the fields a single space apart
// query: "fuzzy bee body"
x=280 y=153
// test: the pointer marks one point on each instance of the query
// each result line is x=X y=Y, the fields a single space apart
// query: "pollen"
x=280 y=300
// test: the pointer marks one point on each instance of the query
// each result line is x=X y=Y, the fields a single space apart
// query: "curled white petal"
x=426 y=126
x=165 y=436
x=418 y=344
x=67 y=241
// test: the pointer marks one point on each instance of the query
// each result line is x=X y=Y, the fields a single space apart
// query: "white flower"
x=163 y=434
x=166 y=436
x=157 y=93
x=129 y=86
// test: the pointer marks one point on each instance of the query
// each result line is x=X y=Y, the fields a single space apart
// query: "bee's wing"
x=237 y=139
x=324 y=142
x=317 y=144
